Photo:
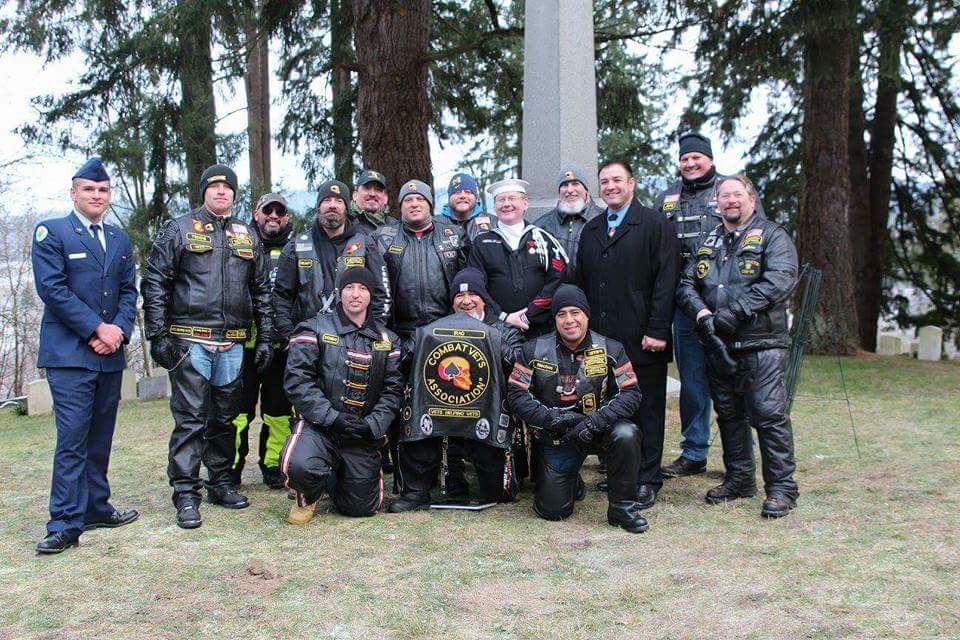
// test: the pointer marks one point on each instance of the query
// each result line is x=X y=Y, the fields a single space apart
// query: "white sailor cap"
x=507 y=186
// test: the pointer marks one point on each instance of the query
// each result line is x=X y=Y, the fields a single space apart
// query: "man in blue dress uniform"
x=84 y=273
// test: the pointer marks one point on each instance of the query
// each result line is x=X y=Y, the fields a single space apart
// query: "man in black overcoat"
x=628 y=265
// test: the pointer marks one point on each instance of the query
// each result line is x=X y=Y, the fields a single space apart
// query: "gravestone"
x=154 y=387
x=128 y=385
x=931 y=343
x=39 y=400
x=559 y=97
x=889 y=345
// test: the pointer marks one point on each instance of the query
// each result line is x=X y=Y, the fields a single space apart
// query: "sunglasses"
x=279 y=212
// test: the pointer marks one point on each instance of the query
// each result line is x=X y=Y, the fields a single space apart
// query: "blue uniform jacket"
x=79 y=292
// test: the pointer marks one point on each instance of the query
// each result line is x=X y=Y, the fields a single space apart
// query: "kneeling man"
x=577 y=389
x=344 y=381
x=459 y=370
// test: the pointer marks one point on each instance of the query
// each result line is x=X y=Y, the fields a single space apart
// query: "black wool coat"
x=631 y=279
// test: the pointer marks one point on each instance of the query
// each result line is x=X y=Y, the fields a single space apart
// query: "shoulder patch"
x=41 y=233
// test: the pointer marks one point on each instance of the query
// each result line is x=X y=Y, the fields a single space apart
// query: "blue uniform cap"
x=463 y=182
x=93 y=169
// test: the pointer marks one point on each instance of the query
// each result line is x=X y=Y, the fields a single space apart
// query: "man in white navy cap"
x=524 y=264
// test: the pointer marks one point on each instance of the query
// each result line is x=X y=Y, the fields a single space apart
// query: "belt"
x=188 y=331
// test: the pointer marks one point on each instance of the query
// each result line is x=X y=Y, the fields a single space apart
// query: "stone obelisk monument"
x=559 y=96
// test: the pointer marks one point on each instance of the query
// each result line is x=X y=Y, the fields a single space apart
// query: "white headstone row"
x=927 y=346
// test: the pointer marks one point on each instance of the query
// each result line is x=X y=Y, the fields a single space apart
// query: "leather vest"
x=457 y=386
x=584 y=391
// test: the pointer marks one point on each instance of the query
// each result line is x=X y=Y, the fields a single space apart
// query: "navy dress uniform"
x=84 y=273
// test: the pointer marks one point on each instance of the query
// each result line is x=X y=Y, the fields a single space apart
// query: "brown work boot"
x=301 y=515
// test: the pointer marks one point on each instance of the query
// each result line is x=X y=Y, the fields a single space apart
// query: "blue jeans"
x=219 y=367
x=694 y=389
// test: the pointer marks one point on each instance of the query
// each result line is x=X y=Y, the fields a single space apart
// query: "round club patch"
x=703 y=268
x=426 y=425
x=483 y=428
x=41 y=233
x=456 y=373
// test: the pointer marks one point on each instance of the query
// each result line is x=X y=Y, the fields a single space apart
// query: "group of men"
x=414 y=343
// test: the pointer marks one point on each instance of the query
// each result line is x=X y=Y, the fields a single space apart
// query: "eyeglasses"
x=275 y=211
x=513 y=199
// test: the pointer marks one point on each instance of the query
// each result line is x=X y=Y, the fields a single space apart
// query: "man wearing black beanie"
x=578 y=391
x=343 y=378
x=691 y=203
x=311 y=261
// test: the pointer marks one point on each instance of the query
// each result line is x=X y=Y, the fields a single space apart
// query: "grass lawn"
x=871 y=552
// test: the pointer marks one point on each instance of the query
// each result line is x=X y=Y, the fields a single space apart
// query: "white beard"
x=565 y=206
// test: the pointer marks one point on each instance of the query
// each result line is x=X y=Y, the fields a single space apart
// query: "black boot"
x=274 y=478
x=410 y=502
x=227 y=496
x=627 y=516
x=727 y=492
x=188 y=516
x=236 y=477
x=777 y=506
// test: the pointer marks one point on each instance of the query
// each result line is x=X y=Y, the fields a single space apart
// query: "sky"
x=40 y=183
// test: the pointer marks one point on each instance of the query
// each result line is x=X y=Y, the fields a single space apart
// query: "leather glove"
x=584 y=432
x=714 y=348
x=262 y=356
x=562 y=421
x=725 y=322
x=358 y=429
x=166 y=351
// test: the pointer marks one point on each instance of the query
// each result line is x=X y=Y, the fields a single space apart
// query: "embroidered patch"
x=748 y=266
x=543 y=365
x=356 y=246
x=354 y=261
x=382 y=345
x=705 y=251
x=41 y=233
x=330 y=338
x=199 y=237
x=483 y=428
x=305 y=263
x=520 y=376
x=395 y=249
x=199 y=248
x=589 y=403
x=703 y=268
x=240 y=334
x=197 y=225
x=751 y=241
x=246 y=254
x=625 y=375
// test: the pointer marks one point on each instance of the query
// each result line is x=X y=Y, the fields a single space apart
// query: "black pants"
x=348 y=470
x=650 y=419
x=420 y=461
x=756 y=396
x=274 y=411
x=203 y=415
x=558 y=470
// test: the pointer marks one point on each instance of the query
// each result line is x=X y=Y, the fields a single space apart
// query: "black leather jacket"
x=335 y=367
x=301 y=289
x=595 y=378
x=693 y=208
x=207 y=277
x=421 y=272
x=750 y=271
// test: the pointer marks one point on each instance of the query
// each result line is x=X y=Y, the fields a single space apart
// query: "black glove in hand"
x=725 y=322
x=352 y=427
x=583 y=433
x=166 y=352
x=263 y=356
x=715 y=349
x=563 y=421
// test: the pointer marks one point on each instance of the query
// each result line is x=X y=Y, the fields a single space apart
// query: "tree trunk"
x=393 y=110
x=198 y=113
x=892 y=17
x=860 y=233
x=822 y=222
x=257 y=85
x=342 y=87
